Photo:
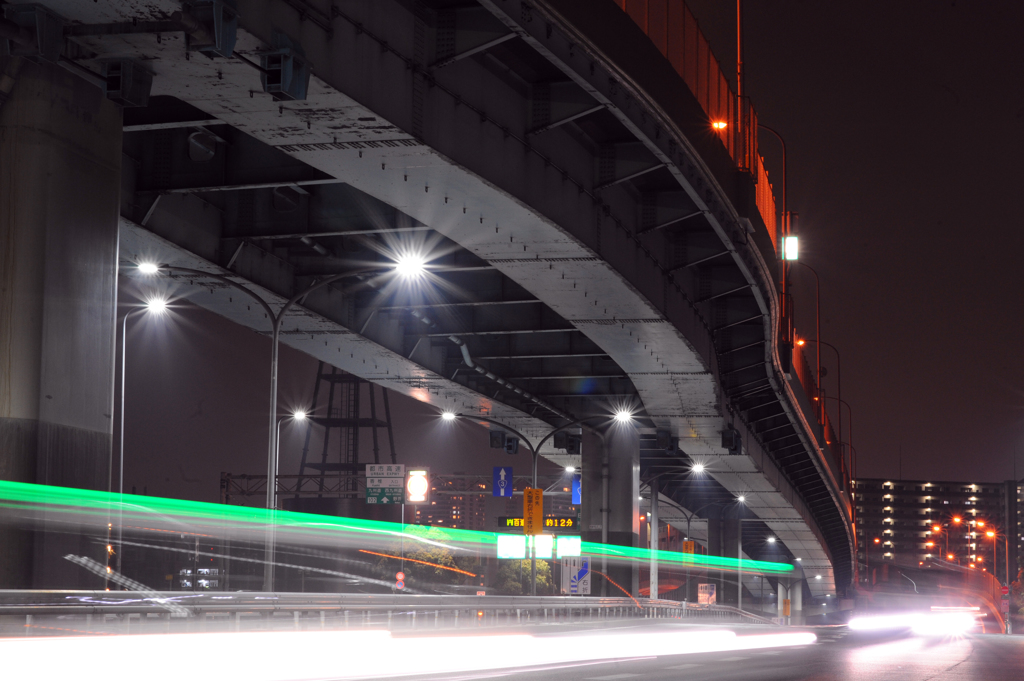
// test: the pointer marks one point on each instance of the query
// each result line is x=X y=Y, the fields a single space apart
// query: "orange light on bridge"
x=990 y=533
x=936 y=528
x=972 y=565
x=877 y=540
x=981 y=523
x=719 y=125
x=929 y=544
x=801 y=342
x=949 y=556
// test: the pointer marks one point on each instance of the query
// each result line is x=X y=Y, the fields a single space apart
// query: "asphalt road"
x=838 y=655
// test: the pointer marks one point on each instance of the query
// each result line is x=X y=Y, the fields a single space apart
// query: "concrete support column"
x=60 y=177
x=723 y=538
x=796 y=598
x=655 y=536
x=611 y=492
x=783 y=595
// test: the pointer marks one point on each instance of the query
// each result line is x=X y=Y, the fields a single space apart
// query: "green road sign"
x=385 y=483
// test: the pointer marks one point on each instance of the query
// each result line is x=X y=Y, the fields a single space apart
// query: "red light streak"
x=421 y=562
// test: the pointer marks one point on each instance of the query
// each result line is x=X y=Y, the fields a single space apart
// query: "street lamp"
x=817 y=332
x=621 y=417
x=156 y=306
x=995 y=562
x=268 y=570
x=406 y=266
x=410 y=265
x=839 y=382
x=867 y=557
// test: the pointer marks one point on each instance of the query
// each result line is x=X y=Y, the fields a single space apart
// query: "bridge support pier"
x=60 y=176
x=796 y=599
x=723 y=535
x=611 y=492
x=783 y=595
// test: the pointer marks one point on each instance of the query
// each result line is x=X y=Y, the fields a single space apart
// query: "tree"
x=427 y=555
x=514 y=578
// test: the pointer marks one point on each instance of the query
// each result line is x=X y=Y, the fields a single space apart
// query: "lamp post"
x=956 y=520
x=867 y=557
x=655 y=539
x=699 y=469
x=620 y=417
x=839 y=381
x=157 y=306
x=268 y=570
x=817 y=333
x=407 y=266
x=785 y=220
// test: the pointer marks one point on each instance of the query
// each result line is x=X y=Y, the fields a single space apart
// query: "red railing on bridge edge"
x=674 y=31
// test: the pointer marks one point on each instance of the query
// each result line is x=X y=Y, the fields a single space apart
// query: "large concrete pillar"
x=613 y=463
x=783 y=597
x=60 y=166
x=723 y=536
x=796 y=597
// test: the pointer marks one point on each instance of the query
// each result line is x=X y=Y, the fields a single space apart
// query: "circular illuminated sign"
x=400 y=576
x=417 y=486
x=399 y=584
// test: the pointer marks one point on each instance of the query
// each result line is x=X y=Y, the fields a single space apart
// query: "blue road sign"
x=502 y=481
x=577 y=489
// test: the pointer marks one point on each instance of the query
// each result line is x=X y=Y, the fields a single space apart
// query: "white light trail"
x=177 y=656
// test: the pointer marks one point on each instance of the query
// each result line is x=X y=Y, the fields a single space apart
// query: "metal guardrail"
x=34 y=613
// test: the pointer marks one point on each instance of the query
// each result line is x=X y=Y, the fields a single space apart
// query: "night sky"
x=904 y=124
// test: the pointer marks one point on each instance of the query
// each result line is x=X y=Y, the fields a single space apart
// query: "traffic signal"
x=497 y=439
x=511 y=445
x=567 y=441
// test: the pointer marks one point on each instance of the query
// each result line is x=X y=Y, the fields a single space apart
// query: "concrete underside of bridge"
x=615 y=260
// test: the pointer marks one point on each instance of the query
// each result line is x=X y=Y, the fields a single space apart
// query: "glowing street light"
x=156 y=305
x=448 y=416
x=623 y=416
x=742 y=499
x=771 y=540
x=719 y=125
x=570 y=469
x=410 y=265
x=148 y=268
x=791 y=248
x=697 y=468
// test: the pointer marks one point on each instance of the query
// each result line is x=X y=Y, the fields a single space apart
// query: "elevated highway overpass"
x=594 y=240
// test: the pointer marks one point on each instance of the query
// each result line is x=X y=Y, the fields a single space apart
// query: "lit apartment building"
x=453 y=507
x=914 y=521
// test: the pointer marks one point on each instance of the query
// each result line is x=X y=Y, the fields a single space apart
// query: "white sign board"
x=384 y=483
x=576 y=576
x=385 y=470
x=706 y=594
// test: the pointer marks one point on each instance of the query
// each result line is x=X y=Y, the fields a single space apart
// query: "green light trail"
x=196 y=517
